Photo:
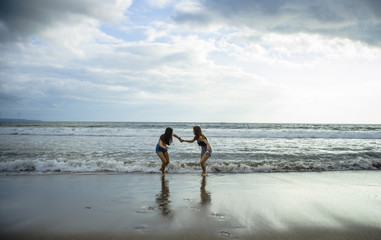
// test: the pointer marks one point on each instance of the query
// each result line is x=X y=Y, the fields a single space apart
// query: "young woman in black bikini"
x=162 y=148
x=202 y=141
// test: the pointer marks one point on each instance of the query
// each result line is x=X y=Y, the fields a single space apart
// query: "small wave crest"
x=76 y=166
x=212 y=133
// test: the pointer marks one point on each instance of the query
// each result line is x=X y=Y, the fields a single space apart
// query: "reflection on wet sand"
x=162 y=199
x=205 y=196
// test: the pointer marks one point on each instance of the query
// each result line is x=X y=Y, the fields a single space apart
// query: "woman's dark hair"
x=167 y=136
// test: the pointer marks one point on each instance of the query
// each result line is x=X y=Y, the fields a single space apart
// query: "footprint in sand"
x=219 y=216
x=140 y=228
x=144 y=209
x=227 y=235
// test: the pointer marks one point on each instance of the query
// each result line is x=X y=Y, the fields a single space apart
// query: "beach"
x=293 y=205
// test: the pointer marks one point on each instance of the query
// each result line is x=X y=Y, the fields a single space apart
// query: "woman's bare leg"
x=166 y=155
x=163 y=162
x=203 y=159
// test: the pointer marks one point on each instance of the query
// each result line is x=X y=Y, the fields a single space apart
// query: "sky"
x=267 y=61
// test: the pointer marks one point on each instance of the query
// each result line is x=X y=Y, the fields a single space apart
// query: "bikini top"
x=201 y=143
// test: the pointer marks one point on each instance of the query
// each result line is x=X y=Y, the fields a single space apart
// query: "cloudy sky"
x=191 y=60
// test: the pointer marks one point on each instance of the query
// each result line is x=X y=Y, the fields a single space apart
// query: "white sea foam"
x=48 y=147
x=53 y=166
x=217 y=133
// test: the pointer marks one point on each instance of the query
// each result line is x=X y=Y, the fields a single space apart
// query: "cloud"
x=356 y=20
x=176 y=74
x=218 y=61
x=20 y=20
x=293 y=50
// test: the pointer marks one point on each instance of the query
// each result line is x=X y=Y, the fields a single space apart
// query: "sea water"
x=82 y=147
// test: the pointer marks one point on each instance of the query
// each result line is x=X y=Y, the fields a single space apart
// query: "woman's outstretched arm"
x=177 y=137
x=189 y=141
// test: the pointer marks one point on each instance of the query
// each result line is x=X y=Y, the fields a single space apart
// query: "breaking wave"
x=53 y=166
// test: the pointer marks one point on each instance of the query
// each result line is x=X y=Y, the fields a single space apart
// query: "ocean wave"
x=295 y=134
x=211 y=133
x=76 y=166
x=212 y=130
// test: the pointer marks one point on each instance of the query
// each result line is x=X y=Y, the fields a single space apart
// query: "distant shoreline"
x=17 y=120
x=95 y=121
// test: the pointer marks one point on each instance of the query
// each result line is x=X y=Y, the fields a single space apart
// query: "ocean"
x=129 y=147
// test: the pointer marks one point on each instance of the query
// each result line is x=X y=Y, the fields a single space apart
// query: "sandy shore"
x=327 y=205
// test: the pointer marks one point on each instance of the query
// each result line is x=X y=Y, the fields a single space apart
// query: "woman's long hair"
x=167 y=136
x=198 y=132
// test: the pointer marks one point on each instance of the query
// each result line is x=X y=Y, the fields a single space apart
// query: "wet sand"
x=326 y=205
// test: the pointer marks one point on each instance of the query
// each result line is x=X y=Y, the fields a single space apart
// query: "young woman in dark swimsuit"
x=162 y=148
x=206 y=149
